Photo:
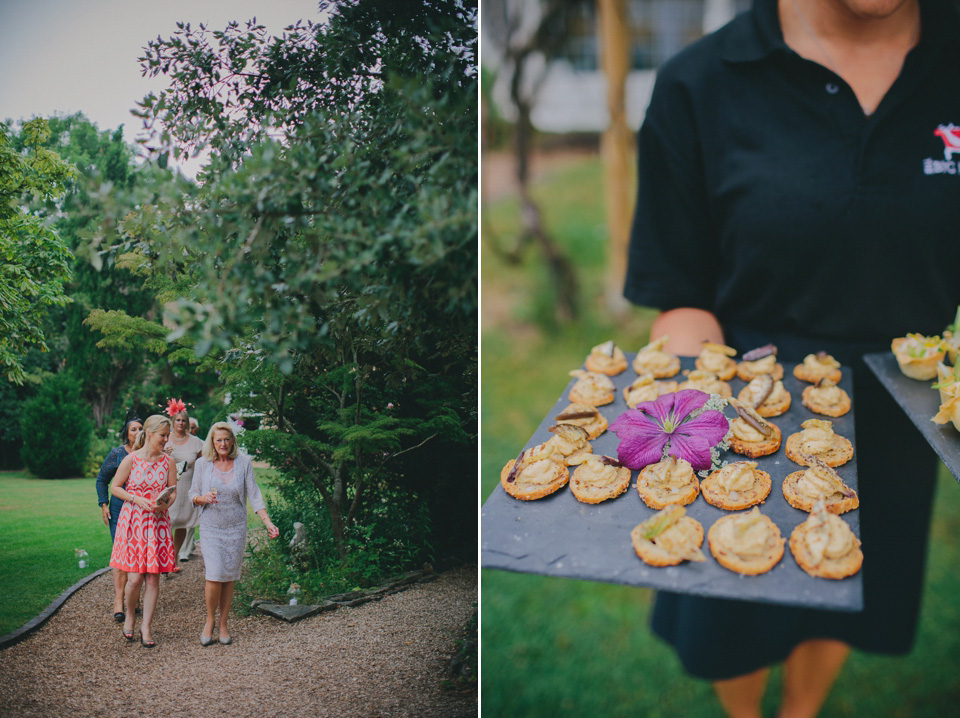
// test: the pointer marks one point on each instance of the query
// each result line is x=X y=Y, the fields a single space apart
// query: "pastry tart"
x=949 y=411
x=818 y=439
x=599 y=478
x=948 y=383
x=736 y=486
x=918 y=355
x=586 y=417
x=591 y=388
x=606 y=358
x=748 y=543
x=707 y=382
x=668 y=537
x=762 y=360
x=825 y=547
x=816 y=367
x=669 y=481
x=536 y=473
x=718 y=359
x=569 y=442
x=819 y=482
x=826 y=398
x=750 y=434
x=651 y=359
x=951 y=343
x=766 y=395
x=646 y=388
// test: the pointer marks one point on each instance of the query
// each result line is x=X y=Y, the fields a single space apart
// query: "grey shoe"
x=206 y=640
x=226 y=641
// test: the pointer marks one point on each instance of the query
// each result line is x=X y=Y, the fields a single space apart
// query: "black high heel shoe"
x=127 y=635
x=119 y=617
x=145 y=644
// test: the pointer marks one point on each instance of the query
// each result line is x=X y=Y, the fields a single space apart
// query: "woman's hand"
x=145 y=503
x=105 y=510
x=163 y=506
x=272 y=531
x=206 y=499
x=687 y=328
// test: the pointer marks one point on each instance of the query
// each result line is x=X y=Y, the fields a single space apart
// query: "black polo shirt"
x=766 y=196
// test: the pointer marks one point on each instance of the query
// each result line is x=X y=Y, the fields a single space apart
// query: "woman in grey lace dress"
x=223 y=483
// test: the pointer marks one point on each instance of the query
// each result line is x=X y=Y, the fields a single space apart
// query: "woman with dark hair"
x=110 y=505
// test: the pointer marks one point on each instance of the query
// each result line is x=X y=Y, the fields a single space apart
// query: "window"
x=658 y=30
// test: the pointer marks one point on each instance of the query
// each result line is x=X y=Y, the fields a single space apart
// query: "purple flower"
x=653 y=426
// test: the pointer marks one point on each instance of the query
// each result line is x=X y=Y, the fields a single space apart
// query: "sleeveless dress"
x=144 y=540
x=183 y=514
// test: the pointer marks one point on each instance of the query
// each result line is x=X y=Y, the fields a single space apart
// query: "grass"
x=42 y=522
x=558 y=647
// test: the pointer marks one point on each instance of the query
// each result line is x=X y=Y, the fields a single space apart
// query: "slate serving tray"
x=920 y=402
x=562 y=537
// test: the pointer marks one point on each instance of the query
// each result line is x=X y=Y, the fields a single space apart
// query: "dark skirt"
x=717 y=639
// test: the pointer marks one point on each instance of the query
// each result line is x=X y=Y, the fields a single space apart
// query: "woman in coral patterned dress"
x=143 y=546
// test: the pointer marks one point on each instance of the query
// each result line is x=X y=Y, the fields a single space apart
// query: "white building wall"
x=572 y=101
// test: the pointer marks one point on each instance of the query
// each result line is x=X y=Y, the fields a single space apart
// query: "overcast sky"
x=65 y=56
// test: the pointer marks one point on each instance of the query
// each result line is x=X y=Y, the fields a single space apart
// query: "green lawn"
x=42 y=522
x=556 y=647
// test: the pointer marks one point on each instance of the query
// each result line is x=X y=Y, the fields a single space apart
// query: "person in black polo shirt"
x=798 y=185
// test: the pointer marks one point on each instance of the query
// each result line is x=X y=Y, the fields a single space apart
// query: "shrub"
x=10 y=408
x=55 y=429
x=465 y=661
x=99 y=448
x=389 y=537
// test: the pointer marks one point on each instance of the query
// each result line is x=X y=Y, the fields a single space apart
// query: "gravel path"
x=384 y=658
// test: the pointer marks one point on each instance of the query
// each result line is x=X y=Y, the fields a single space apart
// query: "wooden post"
x=616 y=145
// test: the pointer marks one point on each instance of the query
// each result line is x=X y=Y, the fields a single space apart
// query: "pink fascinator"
x=174 y=407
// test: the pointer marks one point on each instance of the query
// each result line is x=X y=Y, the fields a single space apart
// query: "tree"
x=34 y=262
x=526 y=38
x=616 y=145
x=327 y=258
x=102 y=159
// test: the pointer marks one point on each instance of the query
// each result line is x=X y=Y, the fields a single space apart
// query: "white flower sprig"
x=716 y=403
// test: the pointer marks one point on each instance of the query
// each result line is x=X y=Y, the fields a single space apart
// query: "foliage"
x=465 y=663
x=101 y=158
x=233 y=87
x=100 y=288
x=99 y=448
x=390 y=536
x=10 y=408
x=327 y=259
x=55 y=429
x=34 y=262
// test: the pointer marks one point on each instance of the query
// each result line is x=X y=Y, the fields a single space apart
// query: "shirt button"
x=833 y=88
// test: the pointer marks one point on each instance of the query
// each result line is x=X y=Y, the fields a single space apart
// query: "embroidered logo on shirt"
x=950 y=134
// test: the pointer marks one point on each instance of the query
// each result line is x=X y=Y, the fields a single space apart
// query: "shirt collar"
x=757 y=37
x=760 y=36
